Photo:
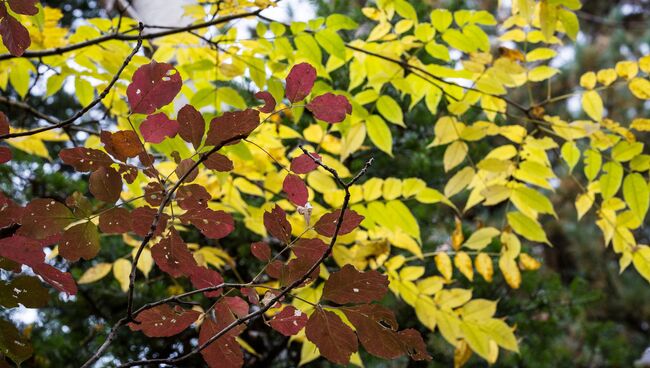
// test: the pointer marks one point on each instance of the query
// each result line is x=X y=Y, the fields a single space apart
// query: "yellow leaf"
x=541 y=73
x=644 y=64
x=462 y=353
x=593 y=161
x=481 y=238
x=411 y=273
x=478 y=310
x=641 y=261
x=392 y=188
x=625 y=151
x=476 y=338
x=390 y=110
x=425 y=311
x=627 y=69
x=431 y=285
x=610 y=181
x=446 y=131
x=606 y=76
x=593 y=105
x=528 y=263
x=570 y=154
x=353 y=140
x=510 y=271
x=443 y=263
x=95 y=273
x=441 y=19
x=527 y=227
x=145 y=262
x=640 y=124
x=483 y=265
x=588 y=80
x=531 y=202
x=459 y=181
x=501 y=333
x=454 y=154
x=540 y=53
x=636 y=194
x=463 y=263
x=640 y=88
x=380 y=134
x=457 y=236
x=121 y=272
x=584 y=203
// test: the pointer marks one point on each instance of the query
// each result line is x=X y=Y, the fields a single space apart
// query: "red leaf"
x=5 y=155
x=277 y=225
x=164 y=321
x=154 y=193
x=269 y=101
x=296 y=190
x=10 y=212
x=300 y=81
x=236 y=305
x=224 y=352
x=351 y=286
x=311 y=249
x=22 y=250
x=192 y=196
x=289 y=322
x=330 y=107
x=251 y=295
x=203 y=277
x=172 y=256
x=261 y=251
x=184 y=167
x=213 y=224
x=122 y=144
x=61 y=281
x=326 y=225
x=414 y=345
x=14 y=35
x=43 y=218
x=376 y=328
x=155 y=128
x=218 y=162
x=231 y=125
x=192 y=125
x=335 y=340
x=27 y=7
x=154 y=86
x=80 y=241
x=4 y=124
x=304 y=164
x=142 y=218
x=85 y=159
x=296 y=269
x=106 y=184
x=115 y=221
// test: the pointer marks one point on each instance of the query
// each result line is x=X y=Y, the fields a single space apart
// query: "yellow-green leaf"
x=527 y=227
x=593 y=105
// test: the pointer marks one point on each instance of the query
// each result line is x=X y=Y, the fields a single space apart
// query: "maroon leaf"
x=27 y=7
x=155 y=128
x=10 y=212
x=14 y=35
x=277 y=225
x=154 y=193
x=85 y=159
x=164 y=321
x=130 y=173
x=122 y=144
x=192 y=196
x=261 y=251
x=203 y=277
x=236 y=305
x=296 y=189
x=289 y=322
x=330 y=107
x=115 y=221
x=192 y=125
x=22 y=250
x=304 y=164
x=309 y=248
x=80 y=241
x=5 y=155
x=300 y=81
x=296 y=269
x=326 y=225
x=335 y=340
x=106 y=184
x=414 y=345
x=4 y=124
x=377 y=330
x=154 y=86
x=172 y=256
x=251 y=295
x=184 y=167
x=142 y=218
x=25 y=290
x=351 y=286
x=43 y=218
x=231 y=125
x=213 y=224
x=218 y=162
x=223 y=352
x=269 y=101
x=61 y=281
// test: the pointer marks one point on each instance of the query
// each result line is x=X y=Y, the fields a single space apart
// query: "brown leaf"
x=289 y=321
x=115 y=221
x=351 y=286
x=172 y=256
x=277 y=225
x=231 y=125
x=44 y=217
x=335 y=340
x=80 y=241
x=213 y=224
x=106 y=184
x=326 y=225
x=164 y=321
x=218 y=162
x=122 y=144
x=192 y=125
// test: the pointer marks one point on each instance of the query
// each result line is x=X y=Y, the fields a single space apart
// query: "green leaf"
x=570 y=154
x=331 y=42
x=379 y=133
x=636 y=194
x=527 y=227
x=390 y=110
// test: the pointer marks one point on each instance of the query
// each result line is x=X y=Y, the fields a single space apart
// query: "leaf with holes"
x=224 y=352
x=202 y=277
x=172 y=256
x=269 y=101
x=143 y=217
x=115 y=221
x=289 y=321
x=164 y=321
x=277 y=225
x=24 y=290
x=106 y=184
x=122 y=144
x=155 y=128
x=191 y=125
x=192 y=196
x=154 y=86
x=326 y=225
x=415 y=347
x=330 y=108
x=300 y=81
x=227 y=128
x=13 y=343
x=43 y=218
x=213 y=224
x=80 y=241
x=351 y=286
x=377 y=330
x=304 y=164
x=335 y=340
x=296 y=190
x=85 y=159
